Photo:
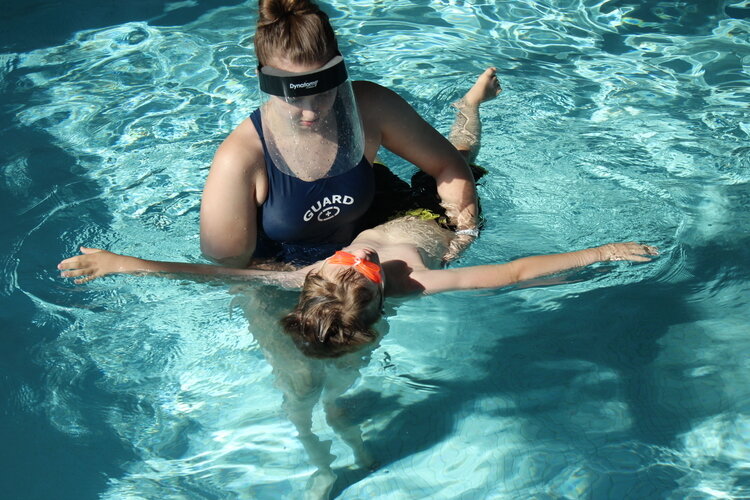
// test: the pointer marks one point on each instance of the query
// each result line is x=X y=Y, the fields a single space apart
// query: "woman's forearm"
x=456 y=188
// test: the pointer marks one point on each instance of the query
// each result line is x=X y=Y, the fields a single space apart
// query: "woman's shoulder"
x=241 y=149
x=376 y=100
x=365 y=84
x=367 y=90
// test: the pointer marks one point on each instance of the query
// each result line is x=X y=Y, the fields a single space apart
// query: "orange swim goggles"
x=368 y=269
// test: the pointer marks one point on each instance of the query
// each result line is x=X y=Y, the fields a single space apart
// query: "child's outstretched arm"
x=94 y=263
x=499 y=275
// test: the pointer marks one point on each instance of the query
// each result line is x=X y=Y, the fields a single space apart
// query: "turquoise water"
x=620 y=120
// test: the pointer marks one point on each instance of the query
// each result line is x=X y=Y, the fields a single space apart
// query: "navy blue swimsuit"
x=302 y=222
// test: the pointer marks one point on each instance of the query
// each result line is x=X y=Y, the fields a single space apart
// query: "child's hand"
x=93 y=263
x=636 y=252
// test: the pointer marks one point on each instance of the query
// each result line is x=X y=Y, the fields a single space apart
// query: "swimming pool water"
x=620 y=120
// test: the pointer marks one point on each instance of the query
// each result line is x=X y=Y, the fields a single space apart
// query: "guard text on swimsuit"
x=327 y=208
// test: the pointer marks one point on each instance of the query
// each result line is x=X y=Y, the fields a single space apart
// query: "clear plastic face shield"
x=310 y=120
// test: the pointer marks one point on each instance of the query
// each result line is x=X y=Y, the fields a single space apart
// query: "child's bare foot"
x=320 y=484
x=365 y=460
x=485 y=88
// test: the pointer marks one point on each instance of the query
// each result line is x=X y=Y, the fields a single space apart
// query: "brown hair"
x=295 y=29
x=332 y=317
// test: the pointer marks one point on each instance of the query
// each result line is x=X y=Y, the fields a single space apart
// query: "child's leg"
x=336 y=385
x=467 y=129
x=299 y=411
x=350 y=433
x=299 y=378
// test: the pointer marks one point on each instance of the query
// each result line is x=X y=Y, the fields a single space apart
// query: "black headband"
x=284 y=84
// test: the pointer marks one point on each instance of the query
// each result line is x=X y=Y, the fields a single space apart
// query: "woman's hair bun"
x=295 y=29
x=273 y=11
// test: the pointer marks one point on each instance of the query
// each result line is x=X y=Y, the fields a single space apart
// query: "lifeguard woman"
x=294 y=181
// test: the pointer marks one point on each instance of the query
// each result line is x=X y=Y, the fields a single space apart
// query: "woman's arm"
x=406 y=134
x=234 y=188
x=94 y=263
x=500 y=275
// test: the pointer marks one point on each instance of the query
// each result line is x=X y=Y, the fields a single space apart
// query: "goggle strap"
x=369 y=270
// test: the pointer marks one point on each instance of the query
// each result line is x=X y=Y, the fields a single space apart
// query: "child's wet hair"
x=333 y=317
